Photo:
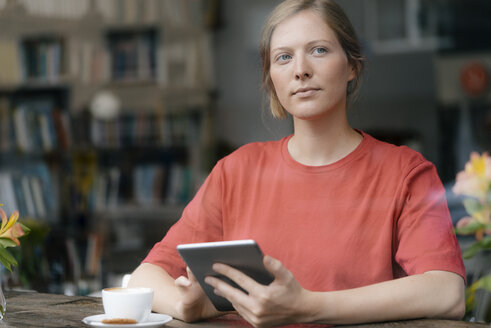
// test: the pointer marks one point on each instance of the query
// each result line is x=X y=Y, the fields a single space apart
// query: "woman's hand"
x=279 y=303
x=193 y=304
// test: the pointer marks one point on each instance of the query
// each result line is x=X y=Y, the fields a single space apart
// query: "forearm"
x=433 y=294
x=165 y=291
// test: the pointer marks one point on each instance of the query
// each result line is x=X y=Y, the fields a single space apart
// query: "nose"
x=303 y=69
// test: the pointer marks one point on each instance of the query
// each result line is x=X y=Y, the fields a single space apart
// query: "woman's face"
x=309 y=68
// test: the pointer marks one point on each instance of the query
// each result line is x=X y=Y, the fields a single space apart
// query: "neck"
x=322 y=141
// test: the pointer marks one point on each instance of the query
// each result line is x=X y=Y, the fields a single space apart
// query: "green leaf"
x=482 y=283
x=470 y=292
x=7 y=242
x=7 y=259
x=472 y=205
x=26 y=229
x=472 y=250
x=486 y=242
x=470 y=228
x=469 y=300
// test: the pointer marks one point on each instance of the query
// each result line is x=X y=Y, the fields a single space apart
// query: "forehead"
x=303 y=26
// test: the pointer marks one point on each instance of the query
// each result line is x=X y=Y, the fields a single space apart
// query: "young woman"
x=354 y=229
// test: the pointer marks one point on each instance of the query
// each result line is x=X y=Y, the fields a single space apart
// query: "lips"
x=305 y=92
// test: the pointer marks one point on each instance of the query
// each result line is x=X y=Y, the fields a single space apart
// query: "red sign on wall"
x=474 y=79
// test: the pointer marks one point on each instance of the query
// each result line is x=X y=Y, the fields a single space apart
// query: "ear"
x=354 y=69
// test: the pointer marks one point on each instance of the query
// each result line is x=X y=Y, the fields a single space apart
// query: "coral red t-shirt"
x=377 y=214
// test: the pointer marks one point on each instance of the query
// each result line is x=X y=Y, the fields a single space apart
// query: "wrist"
x=312 y=307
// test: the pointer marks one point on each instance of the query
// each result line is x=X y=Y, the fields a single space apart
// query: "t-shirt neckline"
x=287 y=158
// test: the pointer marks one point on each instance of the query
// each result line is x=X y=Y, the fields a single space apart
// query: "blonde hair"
x=337 y=20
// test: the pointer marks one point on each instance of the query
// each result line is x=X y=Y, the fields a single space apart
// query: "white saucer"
x=154 y=320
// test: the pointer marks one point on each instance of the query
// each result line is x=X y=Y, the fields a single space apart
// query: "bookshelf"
x=33 y=132
x=109 y=185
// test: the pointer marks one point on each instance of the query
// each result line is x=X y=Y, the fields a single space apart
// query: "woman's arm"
x=435 y=294
x=182 y=298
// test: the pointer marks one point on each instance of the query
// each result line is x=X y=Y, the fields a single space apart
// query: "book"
x=150 y=12
x=93 y=254
x=7 y=193
x=113 y=188
x=22 y=131
x=130 y=11
x=19 y=195
x=27 y=192
x=9 y=62
x=100 y=191
x=61 y=128
x=6 y=130
x=74 y=263
x=47 y=131
x=38 y=197
x=43 y=189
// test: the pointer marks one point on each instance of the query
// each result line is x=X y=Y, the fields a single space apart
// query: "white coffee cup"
x=127 y=303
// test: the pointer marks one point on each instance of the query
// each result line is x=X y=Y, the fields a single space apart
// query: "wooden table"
x=25 y=310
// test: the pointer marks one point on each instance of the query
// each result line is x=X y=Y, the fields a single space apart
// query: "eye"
x=283 y=58
x=320 y=51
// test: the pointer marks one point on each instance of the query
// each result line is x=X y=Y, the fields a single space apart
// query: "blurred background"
x=112 y=112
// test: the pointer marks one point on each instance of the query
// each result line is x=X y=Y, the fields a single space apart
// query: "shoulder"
x=254 y=152
x=392 y=157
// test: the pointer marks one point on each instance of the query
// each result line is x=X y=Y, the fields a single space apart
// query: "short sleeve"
x=201 y=221
x=425 y=239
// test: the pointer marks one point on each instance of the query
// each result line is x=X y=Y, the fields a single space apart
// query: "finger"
x=237 y=276
x=221 y=288
x=276 y=268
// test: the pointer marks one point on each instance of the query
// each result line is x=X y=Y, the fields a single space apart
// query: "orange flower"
x=475 y=183
x=475 y=180
x=10 y=228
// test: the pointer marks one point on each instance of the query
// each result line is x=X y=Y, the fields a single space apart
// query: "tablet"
x=244 y=255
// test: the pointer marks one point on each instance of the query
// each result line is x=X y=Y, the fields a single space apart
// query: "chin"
x=310 y=112
x=309 y=115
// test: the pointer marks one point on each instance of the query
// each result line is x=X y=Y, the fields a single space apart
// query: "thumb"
x=276 y=268
x=182 y=282
x=191 y=276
